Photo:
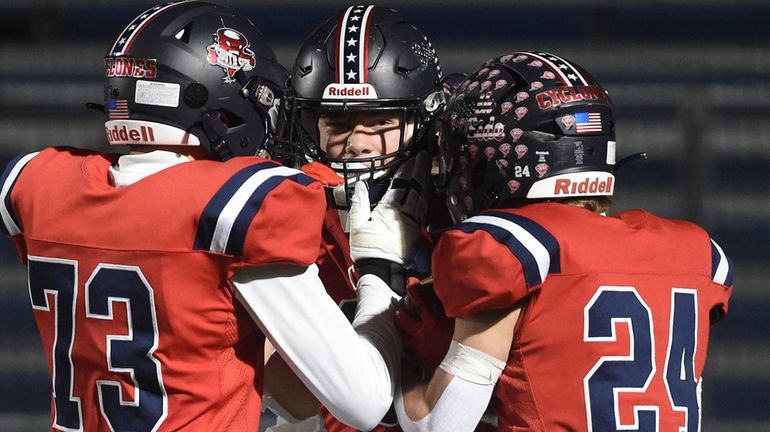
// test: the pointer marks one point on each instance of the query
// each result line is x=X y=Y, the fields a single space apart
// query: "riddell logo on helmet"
x=130 y=132
x=587 y=186
x=349 y=91
x=126 y=135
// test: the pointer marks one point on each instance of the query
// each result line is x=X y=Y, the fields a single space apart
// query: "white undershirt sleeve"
x=459 y=409
x=463 y=402
x=350 y=373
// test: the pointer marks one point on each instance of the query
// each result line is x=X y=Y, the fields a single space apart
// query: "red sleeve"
x=472 y=272
x=327 y=176
x=287 y=227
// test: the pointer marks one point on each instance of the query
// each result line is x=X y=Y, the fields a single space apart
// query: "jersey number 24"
x=614 y=375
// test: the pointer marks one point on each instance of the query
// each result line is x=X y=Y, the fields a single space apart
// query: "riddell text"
x=569 y=187
x=143 y=134
x=348 y=91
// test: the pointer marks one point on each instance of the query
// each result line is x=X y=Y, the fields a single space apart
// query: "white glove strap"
x=358 y=254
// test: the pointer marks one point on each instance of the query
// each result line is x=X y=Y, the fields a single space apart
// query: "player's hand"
x=391 y=231
x=427 y=331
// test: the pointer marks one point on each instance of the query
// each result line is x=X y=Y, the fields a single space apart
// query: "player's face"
x=361 y=135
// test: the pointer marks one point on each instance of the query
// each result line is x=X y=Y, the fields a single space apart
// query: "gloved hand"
x=426 y=330
x=391 y=231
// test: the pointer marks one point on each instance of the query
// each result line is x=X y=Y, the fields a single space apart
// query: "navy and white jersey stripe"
x=536 y=249
x=135 y=27
x=353 y=48
x=569 y=74
x=721 y=265
x=11 y=225
x=225 y=221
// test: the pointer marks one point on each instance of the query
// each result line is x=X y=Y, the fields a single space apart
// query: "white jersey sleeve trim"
x=236 y=203
x=722 y=270
x=530 y=242
x=5 y=211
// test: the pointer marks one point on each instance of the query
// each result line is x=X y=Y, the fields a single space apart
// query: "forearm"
x=285 y=394
x=454 y=399
x=351 y=374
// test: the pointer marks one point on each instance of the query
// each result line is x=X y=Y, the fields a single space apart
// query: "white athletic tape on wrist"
x=471 y=364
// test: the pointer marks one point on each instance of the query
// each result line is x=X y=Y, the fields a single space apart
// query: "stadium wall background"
x=690 y=80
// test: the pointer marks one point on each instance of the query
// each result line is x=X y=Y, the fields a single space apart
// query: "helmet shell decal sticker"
x=117 y=108
x=231 y=52
x=353 y=42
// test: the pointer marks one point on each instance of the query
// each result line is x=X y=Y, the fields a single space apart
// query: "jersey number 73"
x=129 y=353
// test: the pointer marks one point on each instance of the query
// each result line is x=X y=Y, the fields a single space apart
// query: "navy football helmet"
x=193 y=73
x=366 y=59
x=527 y=125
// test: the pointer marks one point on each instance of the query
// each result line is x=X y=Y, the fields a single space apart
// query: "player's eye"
x=384 y=122
x=336 y=124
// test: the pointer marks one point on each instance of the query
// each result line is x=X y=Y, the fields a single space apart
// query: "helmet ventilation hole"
x=184 y=33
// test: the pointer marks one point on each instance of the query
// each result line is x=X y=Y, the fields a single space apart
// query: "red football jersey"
x=615 y=316
x=130 y=286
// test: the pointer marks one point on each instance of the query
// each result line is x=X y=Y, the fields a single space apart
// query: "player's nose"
x=362 y=143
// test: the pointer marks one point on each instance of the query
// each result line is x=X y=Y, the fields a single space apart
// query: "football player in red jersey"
x=566 y=318
x=366 y=92
x=155 y=276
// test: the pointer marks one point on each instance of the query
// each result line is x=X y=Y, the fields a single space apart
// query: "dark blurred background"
x=690 y=80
